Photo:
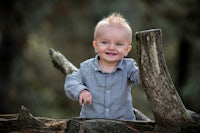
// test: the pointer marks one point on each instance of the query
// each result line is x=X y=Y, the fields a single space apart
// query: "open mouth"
x=111 y=53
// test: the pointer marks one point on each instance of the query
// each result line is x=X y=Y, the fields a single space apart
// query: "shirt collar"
x=98 y=68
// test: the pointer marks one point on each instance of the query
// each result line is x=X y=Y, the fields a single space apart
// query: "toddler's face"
x=112 y=43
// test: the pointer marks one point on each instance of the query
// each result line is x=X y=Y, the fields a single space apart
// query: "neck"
x=107 y=67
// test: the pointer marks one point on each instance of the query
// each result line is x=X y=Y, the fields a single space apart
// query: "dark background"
x=29 y=28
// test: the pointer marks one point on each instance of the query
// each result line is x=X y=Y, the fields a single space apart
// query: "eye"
x=119 y=44
x=104 y=42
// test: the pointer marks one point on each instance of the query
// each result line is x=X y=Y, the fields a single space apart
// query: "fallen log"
x=26 y=122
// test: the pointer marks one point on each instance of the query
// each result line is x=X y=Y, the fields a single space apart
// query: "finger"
x=89 y=100
x=85 y=100
x=80 y=100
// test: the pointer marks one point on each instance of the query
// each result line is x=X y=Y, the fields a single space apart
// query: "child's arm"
x=75 y=89
x=74 y=85
x=134 y=73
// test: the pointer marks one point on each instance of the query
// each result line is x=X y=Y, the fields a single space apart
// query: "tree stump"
x=169 y=112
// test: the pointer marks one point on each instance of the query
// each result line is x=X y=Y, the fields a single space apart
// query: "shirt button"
x=107 y=109
x=107 y=91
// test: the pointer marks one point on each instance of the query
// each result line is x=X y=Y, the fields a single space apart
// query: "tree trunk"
x=169 y=112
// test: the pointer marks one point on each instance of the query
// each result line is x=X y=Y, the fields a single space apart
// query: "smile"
x=110 y=53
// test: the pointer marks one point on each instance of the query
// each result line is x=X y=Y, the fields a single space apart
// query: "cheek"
x=99 y=49
x=124 y=52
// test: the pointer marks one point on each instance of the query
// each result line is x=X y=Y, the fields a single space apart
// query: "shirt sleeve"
x=134 y=72
x=74 y=85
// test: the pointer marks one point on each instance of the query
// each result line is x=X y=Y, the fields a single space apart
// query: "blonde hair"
x=113 y=19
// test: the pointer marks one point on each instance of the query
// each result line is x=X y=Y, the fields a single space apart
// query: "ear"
x=128 y=49
x=94 y=43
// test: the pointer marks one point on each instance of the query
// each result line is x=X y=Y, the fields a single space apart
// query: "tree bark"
x=169 y=112
x=27 y=123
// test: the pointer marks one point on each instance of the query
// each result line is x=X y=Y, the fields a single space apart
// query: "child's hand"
x=85 y=97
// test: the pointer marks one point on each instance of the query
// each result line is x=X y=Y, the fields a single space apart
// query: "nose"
x=111 y=46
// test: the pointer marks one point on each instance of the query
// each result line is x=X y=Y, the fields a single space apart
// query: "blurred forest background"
x=29 y=28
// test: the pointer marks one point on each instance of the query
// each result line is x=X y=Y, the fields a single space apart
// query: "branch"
x=61 y=63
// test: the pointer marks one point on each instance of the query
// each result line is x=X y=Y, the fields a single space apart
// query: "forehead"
x=104 y=25
x=112 y=29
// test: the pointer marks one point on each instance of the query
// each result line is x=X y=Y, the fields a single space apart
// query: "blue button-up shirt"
x=111 y=92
